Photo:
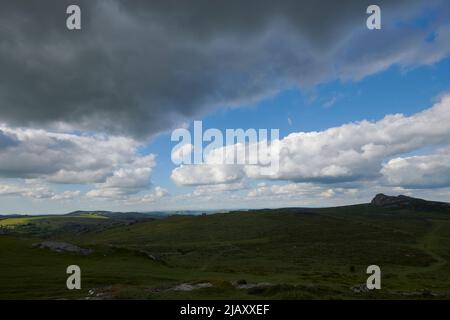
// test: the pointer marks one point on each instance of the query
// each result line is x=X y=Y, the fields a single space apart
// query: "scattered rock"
x=360 y=288
x=105 y=293
x=150 y=255
x=253 y=285
x=190 y=287
x=62 y=247
x=420 y=293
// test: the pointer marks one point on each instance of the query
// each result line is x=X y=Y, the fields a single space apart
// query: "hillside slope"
x=282 y=253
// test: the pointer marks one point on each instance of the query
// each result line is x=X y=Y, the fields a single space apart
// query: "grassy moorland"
x=273 y=254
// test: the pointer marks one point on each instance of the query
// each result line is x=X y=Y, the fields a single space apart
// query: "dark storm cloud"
x=141 y=67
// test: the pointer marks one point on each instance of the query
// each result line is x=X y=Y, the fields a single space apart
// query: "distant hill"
x=405 y=202
x=125 y=216
x=122 y=216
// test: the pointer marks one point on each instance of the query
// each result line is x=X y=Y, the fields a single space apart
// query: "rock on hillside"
x=405 y=202
x=62 y=247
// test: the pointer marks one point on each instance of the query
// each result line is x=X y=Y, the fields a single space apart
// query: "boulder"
x=62 y=247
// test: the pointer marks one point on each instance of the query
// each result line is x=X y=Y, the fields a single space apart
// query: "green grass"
x=304 y=254
x=18 y=221
x=50 y=219
x=50 y=226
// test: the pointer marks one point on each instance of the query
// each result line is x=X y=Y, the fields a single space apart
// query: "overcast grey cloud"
x=142 y=67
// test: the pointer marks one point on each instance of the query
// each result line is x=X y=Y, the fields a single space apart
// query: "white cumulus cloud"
x=351 y=152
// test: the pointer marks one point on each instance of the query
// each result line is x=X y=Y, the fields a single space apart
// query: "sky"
x=86 y=116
